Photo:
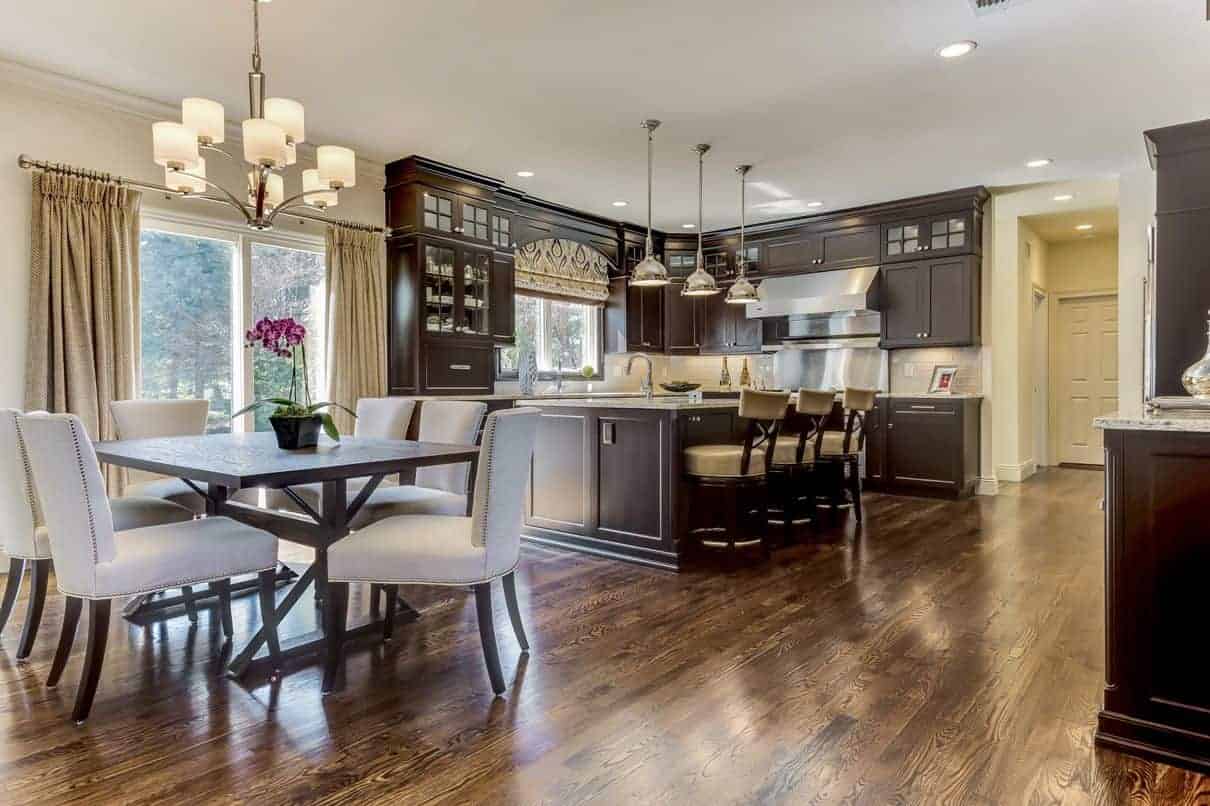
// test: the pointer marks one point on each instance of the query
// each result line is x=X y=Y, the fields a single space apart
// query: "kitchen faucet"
x=645 y=383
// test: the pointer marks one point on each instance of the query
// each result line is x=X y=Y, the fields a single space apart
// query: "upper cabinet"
x=726 y=328
x=931 y=303
x=457 y=290
x=813 y=249
x=455 y=215
x=947 y=234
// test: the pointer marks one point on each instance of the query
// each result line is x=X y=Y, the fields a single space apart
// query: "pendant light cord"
x=701 y=154
x=650 y=140
x=742 y=170
x=256 y=36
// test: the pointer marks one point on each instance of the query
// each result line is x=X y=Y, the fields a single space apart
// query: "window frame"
x=243 y=380
x=596 y=343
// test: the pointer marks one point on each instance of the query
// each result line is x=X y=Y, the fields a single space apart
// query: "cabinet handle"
x=461 y=367
x=889 y=426
x=926 y=408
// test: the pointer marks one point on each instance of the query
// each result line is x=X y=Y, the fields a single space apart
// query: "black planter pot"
x=294 y=433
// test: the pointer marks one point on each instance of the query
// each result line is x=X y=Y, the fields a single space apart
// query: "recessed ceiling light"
x=620 y=204
x=814 y=204
x=956 y=50
x=1038 y=163
x=1083 y=227
x=688 y=226
x=525 y=174
x=1064 y=197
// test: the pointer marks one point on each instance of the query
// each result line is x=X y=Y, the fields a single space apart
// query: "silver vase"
x=1196 y=378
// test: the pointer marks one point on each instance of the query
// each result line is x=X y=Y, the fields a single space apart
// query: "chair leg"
x=16 y=569
x=98 y=634
x=789 y=499
x=190 y=604
x=222 y=589
x=336 y=607
x=67 y=637
x=38 y=576
x=375 y=607
x=514 y=613
x=268 y=617
x=388 y=621
x=487 y=634
x=855 y=487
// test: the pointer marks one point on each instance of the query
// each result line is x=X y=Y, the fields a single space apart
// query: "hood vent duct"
x=824 y=293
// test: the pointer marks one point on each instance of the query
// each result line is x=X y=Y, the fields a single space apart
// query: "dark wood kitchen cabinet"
x=683 y=320
x=796 y=251
x=726 y=328
x=926 y=444
x=935 y=235
x=503 y=299
x=810 y=250
x=849 y=247
x=644 y=318
x=931 y=303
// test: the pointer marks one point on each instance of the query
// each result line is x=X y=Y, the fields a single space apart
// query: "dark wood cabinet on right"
x=923 y=444
x=933 y=235
x=931 y=303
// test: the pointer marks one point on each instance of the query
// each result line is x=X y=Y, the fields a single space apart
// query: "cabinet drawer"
x=457 y=368
x=923 y=406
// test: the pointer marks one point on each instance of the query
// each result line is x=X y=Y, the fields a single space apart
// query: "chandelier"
x=271 y=135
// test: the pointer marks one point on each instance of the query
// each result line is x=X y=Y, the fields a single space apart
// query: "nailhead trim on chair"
x=175 y=583
x=380 y=581
x=92 y=520
x=31 y=494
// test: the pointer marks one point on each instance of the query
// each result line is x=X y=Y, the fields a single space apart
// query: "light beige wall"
x=1135 y=214
x=1083 y=265
x=64 y=121
x=1033 y=258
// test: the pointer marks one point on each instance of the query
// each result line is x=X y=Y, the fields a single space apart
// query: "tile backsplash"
x=912 y=370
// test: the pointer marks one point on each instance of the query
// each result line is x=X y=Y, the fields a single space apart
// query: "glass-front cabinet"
x=936 y=235
x=457 y=290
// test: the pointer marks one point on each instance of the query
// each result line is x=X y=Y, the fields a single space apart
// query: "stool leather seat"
x=723 y=461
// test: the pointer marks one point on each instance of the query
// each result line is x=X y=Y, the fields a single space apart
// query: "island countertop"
x=658 y=403
x=1171 y=420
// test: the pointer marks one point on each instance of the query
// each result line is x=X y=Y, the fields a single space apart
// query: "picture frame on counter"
x=943 y=380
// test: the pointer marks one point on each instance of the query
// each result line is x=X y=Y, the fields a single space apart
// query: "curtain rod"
x=31 y=164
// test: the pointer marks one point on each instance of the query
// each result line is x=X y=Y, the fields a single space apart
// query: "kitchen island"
x=607 y=472
x=1157 y=556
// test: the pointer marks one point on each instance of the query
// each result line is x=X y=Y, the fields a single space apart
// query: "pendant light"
x=650 y=271
x=701 y=282
x=742 y=292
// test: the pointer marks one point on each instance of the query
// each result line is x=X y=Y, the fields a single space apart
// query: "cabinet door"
x=748 y=334
x=750 y=258
x=502 y=232
x=949 y=234
x=718 y=328
x=853 y=246
x=475 y=221
x=473 y=292
x=679 y=263
x=950 y=303
x=875 y=441
x=682 y=315
x=632 y=468
x=503 y=295
x=797 y=252
x=904 y=240
x=718 y=263
x=560 y=473
x=924 y=443
x=441 y=287
x=653 y=318
x=437 y=212
x=904 y=304
x=402 y=333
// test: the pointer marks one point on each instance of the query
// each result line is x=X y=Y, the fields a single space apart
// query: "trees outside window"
x=563 y=335
x=201 y=288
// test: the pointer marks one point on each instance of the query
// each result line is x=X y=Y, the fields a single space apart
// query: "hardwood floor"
x=949 y=652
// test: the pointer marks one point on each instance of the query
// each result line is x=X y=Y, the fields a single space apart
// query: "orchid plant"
x=286 y=338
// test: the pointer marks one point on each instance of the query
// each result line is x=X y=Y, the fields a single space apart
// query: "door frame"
x=1040 y=372
x=1056 y=302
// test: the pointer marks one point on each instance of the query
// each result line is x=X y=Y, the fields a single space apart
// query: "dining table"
x=217 y=465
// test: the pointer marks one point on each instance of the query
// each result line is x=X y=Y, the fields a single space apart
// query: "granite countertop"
x=934 y=395
x=664 y=403
x=1187 y=421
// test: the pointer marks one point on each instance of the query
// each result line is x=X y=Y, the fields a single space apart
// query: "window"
x=563 y=335
x=200 y=288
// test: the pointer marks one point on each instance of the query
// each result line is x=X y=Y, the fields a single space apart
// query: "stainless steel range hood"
x=825 y=292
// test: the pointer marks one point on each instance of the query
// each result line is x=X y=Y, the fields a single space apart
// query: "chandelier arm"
x=229 y=198
x=302 y=195
x=217 y=150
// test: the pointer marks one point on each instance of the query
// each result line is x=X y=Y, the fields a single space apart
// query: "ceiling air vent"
x=981 y=7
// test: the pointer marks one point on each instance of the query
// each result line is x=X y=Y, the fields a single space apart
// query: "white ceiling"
x=1060 y=227
x=838 y=100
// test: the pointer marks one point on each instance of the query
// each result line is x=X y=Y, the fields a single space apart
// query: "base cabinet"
x=923 y=444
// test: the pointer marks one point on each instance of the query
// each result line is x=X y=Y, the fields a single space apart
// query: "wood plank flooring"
x=948 y=652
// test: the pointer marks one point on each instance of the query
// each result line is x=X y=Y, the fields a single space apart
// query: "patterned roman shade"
x=563 y=270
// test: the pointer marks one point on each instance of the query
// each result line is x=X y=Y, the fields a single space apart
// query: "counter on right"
x=1157 y=570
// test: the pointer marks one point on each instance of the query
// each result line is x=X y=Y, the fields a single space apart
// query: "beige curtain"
x=82 y=350
x=356 y=318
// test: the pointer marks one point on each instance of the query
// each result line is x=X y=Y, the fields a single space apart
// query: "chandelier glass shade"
x=271 y=135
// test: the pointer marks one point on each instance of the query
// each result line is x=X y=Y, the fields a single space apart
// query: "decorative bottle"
x=745 y=380
x=1196 y=378
x=724 y=380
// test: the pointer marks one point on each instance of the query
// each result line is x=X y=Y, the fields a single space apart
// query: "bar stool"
x=738 y=475
x=792 y=477
x=843 y=449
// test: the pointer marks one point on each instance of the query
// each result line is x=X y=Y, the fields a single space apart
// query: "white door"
x=1086 y=375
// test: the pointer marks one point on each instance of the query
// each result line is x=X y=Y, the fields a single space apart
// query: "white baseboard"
x=1016 y=473
x=987 y=486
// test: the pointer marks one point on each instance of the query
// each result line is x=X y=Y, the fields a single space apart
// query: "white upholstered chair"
x=148 y=419
x=23 y=535
x=447 y=549
x=96 y=563
x=438 y=490
x=377 y=418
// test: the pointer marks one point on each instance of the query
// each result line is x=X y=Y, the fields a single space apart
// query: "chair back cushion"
x=72 y=494
x=504 y=461
x=148 y=419
x=815 y=401
x=383 y=417
x=763 y=405
x=859 y=399
x=456 y=422
x=19 y=515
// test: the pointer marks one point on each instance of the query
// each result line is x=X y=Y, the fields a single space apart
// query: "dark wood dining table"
x=216 y=465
